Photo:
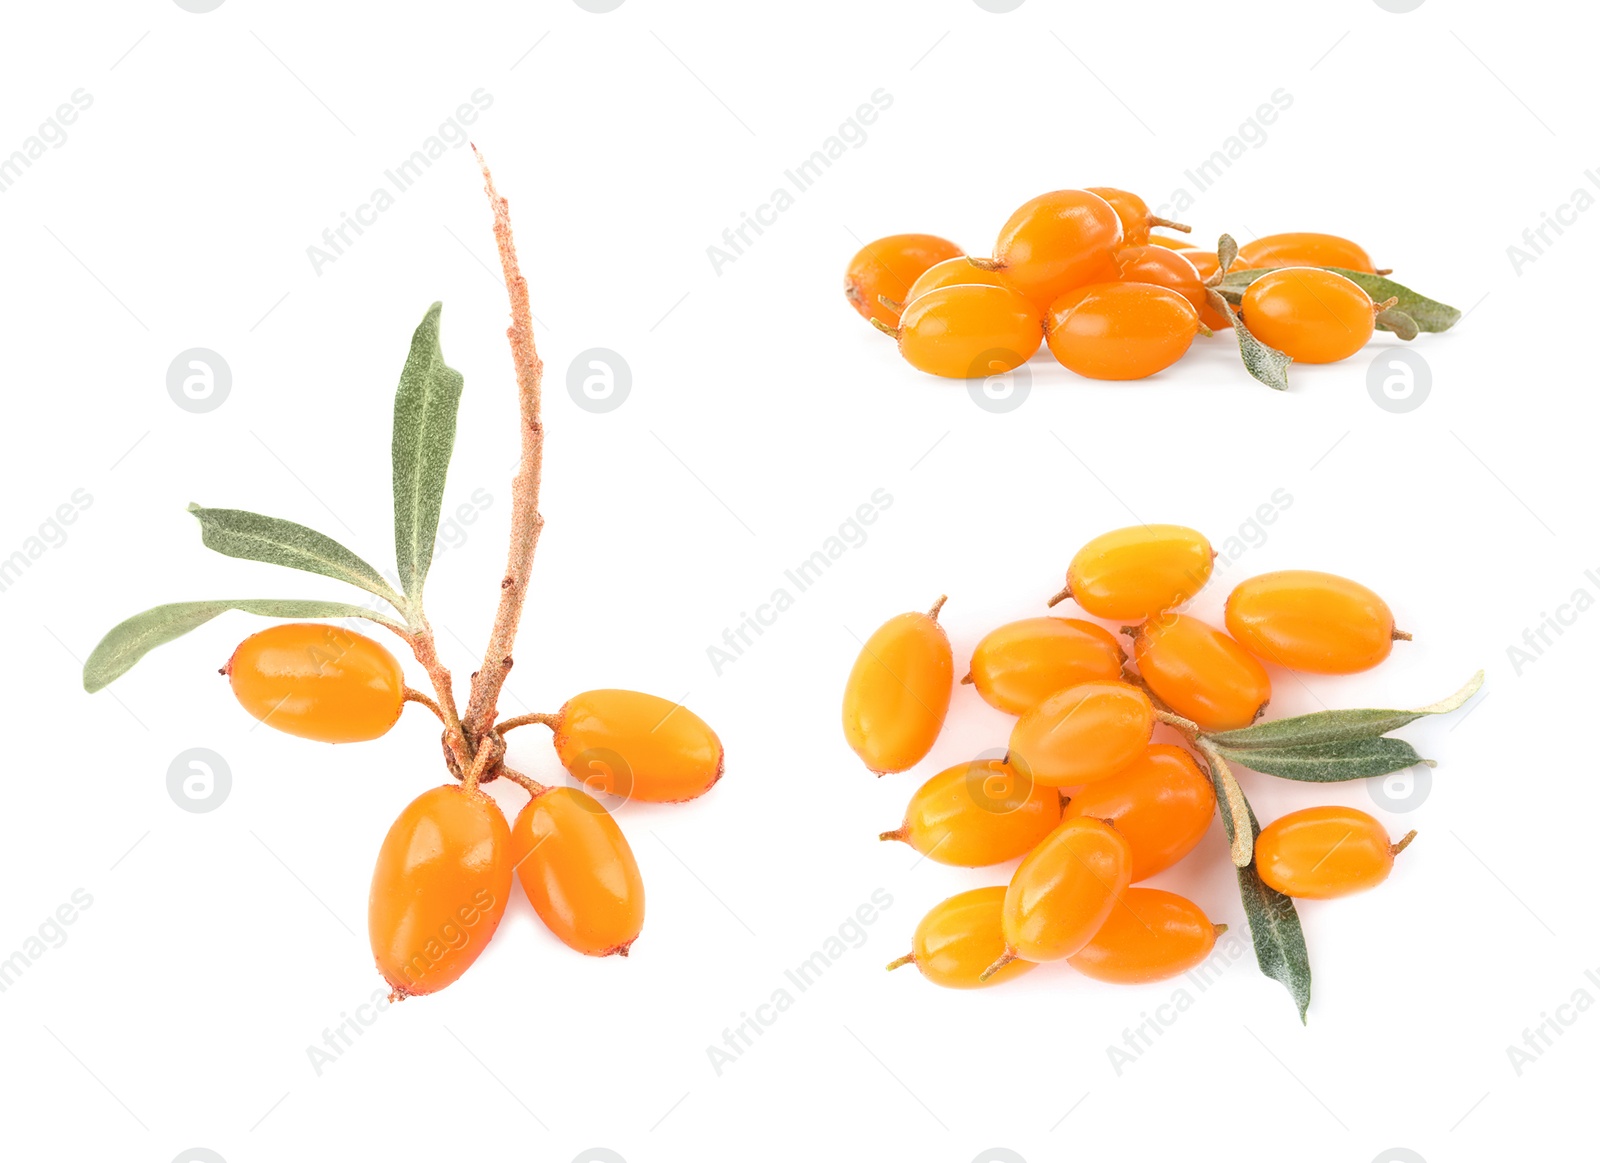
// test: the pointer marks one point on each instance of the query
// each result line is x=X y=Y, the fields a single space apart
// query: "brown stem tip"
x=898 y=834
x=1218 y=930
x=967 y=679
x=1403 y=843
x=937 y=606
x=908 y=959
x=1380 y=308
x=1384 y=271
x=985 y=264
x=885 y=301
x=1178 y=226
x=1006 y=958
x=1399 y=636
x=884 y=327
x=1066 y=592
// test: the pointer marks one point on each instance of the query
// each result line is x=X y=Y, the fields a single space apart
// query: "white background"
x=219 y=946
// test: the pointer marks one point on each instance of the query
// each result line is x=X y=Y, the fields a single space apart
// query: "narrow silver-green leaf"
x=253 y=537
x=1337 y=726
x=1428 y=314
x=1330 y=762
x=131 y=640
x=1267 y=364
x=1279 y=941
x=425 y=406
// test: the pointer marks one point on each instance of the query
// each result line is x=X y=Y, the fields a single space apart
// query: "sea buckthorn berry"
x=1304 y=249
x=1204 y=261
x=1169 y=243
x=969 y=331
x=1161 y=804
x=1201 y=673
x=1058 y=242
x=1019 y=665
x=888 y=267
x=1134 y=215
x=1150 y=935
x=1120 y=331
x=978 y=813
x=1311 y=621
x=1064 y=890
x=1085 y=733
x=954 y=272
x=318 y=681
x=1168 y=268
x=1310 y=315
x=960 y=938
x=1321 y=853
x=637 y=746
x=898 y=691
x=439 y=889
x=1128 y=574
x=578 y=871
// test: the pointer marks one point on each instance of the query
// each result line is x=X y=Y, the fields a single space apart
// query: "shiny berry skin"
x=1167 y=268
x=1326 y=852
x=1316 y=622
x=1201 y=673
x=1064 y=890
x=1169 y=243
x=960 y=938
x=1303 y=249
x=440 y=887
x=637 y=746
x=1058 y=242
x=1204 y=261
x=1132 y=212
x=1120 y=331
x=578 y=871
x=1085 y=733
x=1310 y=315
x=888 y=267
x=1129 y=574
x=1150 y=935
x=978 y=813
x=969 y=331
x=898 y=692
x=954 y=272
x=318 y=681
x=1161 y=804
x=1019 y=665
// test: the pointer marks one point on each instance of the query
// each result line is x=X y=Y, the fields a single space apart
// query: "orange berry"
x=1150 y=936
x=898 y=692
x=1310 y=315
x=1169 y=243
x=1129 y=574
x=1326 y=852
x=954 y=272
x=1064 y=890
x=960 y=938
x=1058 y=242
x=1085 y=733
x=318 y=681
x=637 y=746
x=888 y=267
x=578 y=871
x=1204 y=261
x=969 y=331
x=1303 y=249
x=439 y=889
x=1311 y=621
x=1019 y=665
x=1201 y=673
x=1134 y=215
x=978 y=813
x=1120 y=331
x=1161 y=804
x=1168 y=268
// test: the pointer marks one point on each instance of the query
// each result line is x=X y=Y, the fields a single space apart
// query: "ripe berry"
x=1167 y=268
x=960 y=938
x=888 y=267
x=1161 y=804
x=1302 y=249
x=1201 y=673
x=1150 y=936
x=1085 y=733
x=1310 y=315
x=1134 y=215
x=1326 y=852
x=898 y=691
x=578 y=871
x=969 y=331
x=1058 y=242
x=1204 y=261
x=1019 y=665
x=1128 y=574
x=978 y=813
x=637 y=746
x=318 y=681
x=439 y=889
x=1120 y=331
x=1064 y=890
x=953 y=272
x=1311 y=621
x=1169 y=243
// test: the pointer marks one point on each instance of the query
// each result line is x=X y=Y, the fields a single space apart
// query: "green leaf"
x=1267 y=364
x=129 y=641
x=1238 y=822
x=1275 y=931
x=1395 y=320
x=253 y=537
x=1330 y=762
x=1337 y=726
x=425 y=406
x=1428 y=314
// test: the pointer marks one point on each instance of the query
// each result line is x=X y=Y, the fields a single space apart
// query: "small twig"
x=422 y=646
x=547 y=720
x=532 y=786
x=416 y=696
